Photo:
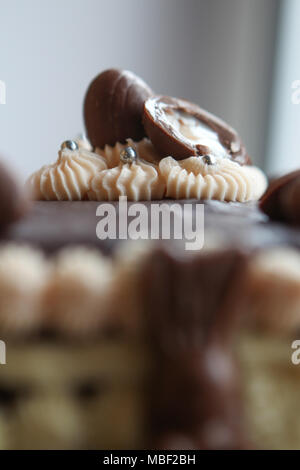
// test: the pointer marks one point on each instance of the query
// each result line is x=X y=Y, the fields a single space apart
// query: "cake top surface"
x=52 y=225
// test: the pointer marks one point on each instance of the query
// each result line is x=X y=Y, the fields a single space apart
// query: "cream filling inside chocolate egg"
x=194 y=131
x=182 y=129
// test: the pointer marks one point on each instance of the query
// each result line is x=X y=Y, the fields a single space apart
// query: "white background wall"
x=215 y=52
x=284 y=136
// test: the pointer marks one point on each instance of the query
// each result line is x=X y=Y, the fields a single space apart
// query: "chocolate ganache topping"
x=182 y=129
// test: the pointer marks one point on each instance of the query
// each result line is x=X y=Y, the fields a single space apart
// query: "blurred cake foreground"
x=123 y=344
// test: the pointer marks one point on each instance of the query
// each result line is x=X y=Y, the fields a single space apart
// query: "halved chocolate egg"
x=182 y=129
x=113 y=107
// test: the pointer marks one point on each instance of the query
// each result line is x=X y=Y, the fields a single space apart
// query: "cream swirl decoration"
x=144 y=148
x=220 y=178
x=139 y=181
x=78 y=290
x=68 y=179
x=84 y=143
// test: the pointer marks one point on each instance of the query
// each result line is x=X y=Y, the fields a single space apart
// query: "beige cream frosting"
x=129 y=258
x=139 y=181
x=274 y=289
x=78 y=290
x=24 y=274
x=84 y=143
x=81 y=174
x=144 y=149
x=224 y=180
x=74 y=292
x=68 y=178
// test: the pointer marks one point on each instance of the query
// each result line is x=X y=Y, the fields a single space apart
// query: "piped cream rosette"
x=135 y=178
x=139 y=181
x=24 y=275
x=68 y=179
x=78 y=290
x=274 y=289
x=144 y=149
x=83 y=143
x=212 y=178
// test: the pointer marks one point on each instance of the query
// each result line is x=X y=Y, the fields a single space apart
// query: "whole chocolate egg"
x=113 y=107
x=281 y=201
x=13 y=199
x=290 y=201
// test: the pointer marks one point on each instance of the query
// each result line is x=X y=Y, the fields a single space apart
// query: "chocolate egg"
x=290 y=200
x=113 y=107
x=13 y=200
x=281 y=201
x=182 y=129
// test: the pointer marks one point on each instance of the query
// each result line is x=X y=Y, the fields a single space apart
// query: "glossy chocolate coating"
x=169 y=142
x=290 y=201
x=191 y=307
x=52 y=225
x=113 y=107
x=281 y=202
x=13 y=200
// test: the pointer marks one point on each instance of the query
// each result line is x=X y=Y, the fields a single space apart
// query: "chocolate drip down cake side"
x=149 y=286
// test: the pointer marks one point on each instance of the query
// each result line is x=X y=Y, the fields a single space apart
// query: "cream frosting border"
x=274 y=289
x=140 y=181
x=224 y=180
x=78 y=291
x=68 y=179
x=101 y=176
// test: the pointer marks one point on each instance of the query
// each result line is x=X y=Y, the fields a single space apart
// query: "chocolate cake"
x=147 y=339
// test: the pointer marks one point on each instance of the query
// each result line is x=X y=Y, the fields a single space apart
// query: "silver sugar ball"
x=69 y=144
x=208 y=160
x=128 y=155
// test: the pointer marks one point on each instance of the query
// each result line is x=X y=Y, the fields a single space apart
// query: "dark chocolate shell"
x=113 y=107
x=281 y=201
x=170 y=123
x=290 y=201
x=14 y=201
